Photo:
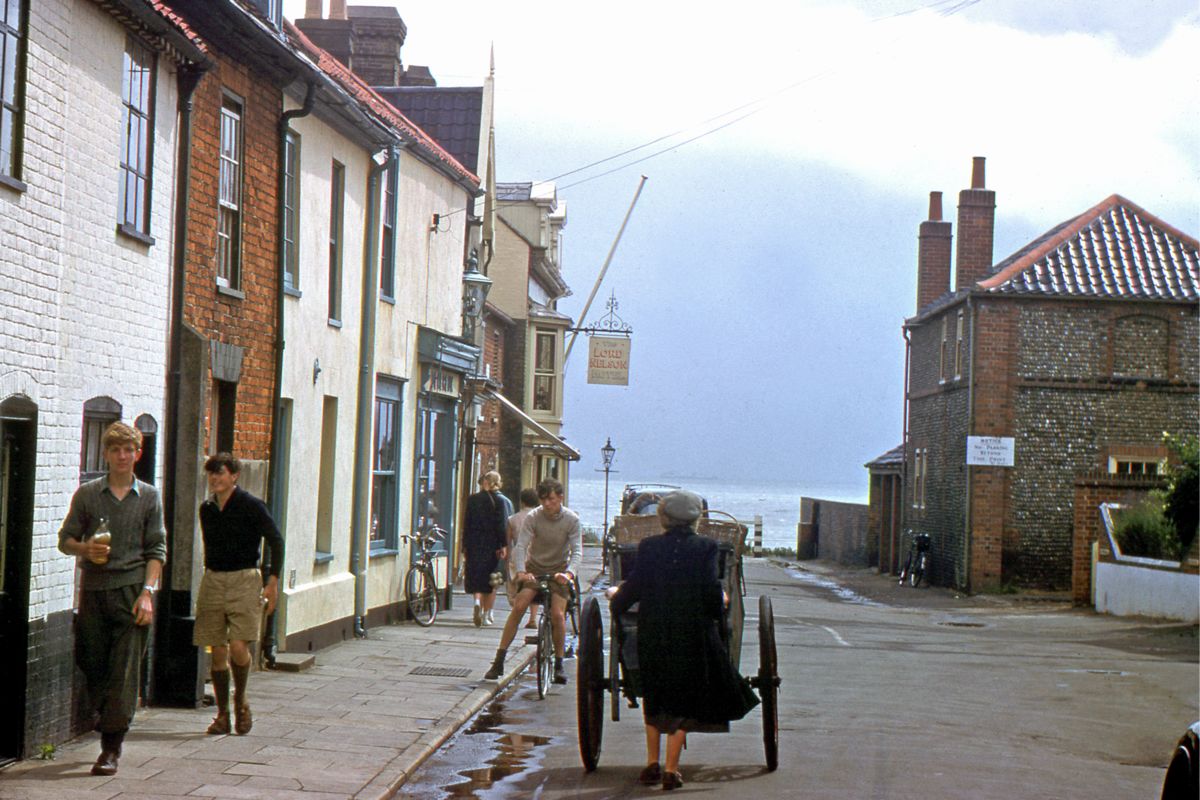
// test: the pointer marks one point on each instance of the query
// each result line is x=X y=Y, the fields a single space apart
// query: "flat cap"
x=682 y=506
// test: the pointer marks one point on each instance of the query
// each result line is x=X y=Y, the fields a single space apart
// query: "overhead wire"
x=762 y=102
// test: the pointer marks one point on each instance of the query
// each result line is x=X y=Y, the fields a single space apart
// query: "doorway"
x=18 y=449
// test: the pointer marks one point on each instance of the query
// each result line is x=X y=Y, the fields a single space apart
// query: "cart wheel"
x=614 y=668
x=768 y=681
x=589 y=685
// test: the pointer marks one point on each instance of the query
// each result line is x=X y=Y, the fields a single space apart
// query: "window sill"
x=131 y=232
x=231 y=293
x=322 y=558
x=335 y=323
x=292 y=292
x=14 y=184
x=380 y=552
x=387 y=298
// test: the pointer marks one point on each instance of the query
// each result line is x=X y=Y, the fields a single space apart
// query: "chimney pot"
x=337 y=9
x=935 y=206
x=314 y=9
x=977 y=181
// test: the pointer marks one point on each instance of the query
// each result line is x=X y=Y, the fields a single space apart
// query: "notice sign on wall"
x=608 y=360
x=990 y=451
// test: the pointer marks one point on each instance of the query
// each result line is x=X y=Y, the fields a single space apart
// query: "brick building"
x=87 y=174
x=1079 y=349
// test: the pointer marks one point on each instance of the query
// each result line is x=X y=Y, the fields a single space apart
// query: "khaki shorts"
x=563 y=590
x=228 y=608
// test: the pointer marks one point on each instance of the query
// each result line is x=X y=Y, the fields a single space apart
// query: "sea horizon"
x=777 y=502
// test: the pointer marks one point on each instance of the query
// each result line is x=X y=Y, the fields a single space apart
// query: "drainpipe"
x=274 y=467
x=171 y=649
x=905 y=506
x=967 y=535
x=366 y=395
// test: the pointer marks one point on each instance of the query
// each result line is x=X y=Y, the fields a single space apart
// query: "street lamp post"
x=607 y=452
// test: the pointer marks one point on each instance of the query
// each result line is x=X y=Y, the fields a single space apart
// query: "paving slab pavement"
x=354 y=725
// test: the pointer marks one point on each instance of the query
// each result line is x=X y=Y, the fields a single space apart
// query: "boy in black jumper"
x=229 y=606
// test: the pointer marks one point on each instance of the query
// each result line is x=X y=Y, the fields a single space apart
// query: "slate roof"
x=451 y=115
x=1116 y=250
x=892 y=459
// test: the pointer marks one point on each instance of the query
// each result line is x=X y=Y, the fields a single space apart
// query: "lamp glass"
x=607 y=452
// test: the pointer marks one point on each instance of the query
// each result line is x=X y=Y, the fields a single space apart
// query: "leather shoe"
x=672 y=780
x=106 y=764
x=651 y=775
x=243 y=722
x=219 y=725
x=560 y=674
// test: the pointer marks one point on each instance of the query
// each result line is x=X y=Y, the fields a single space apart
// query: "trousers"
x=108 y=649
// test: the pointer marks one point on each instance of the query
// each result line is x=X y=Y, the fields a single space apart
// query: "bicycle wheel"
x=904 y=569
x=544 y=657
x=918 y=572
x=573 y=609
x=768 y=681
x=421 y=593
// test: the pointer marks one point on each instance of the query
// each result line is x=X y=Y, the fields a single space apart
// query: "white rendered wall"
x=429 y=268
x=320 y=593
x=1126 y=590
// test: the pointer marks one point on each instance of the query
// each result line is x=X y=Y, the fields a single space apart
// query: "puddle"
x=485 y=758
x=840 y=591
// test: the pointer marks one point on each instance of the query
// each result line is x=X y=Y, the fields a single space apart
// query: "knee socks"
x=241 y=674
x=220 y=682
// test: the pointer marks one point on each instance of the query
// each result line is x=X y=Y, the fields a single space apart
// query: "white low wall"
x=1131 y=590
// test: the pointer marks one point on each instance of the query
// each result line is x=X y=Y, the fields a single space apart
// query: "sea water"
x=777 y=503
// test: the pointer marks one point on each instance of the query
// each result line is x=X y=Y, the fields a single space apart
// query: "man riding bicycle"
x=550 y=542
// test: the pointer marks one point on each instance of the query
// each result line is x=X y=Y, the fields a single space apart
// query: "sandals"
x=220 y=725
x=244 y=721
x=672 y=780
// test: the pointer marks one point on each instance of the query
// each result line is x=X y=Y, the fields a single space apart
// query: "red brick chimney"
x=933 y=255
x=976 y=226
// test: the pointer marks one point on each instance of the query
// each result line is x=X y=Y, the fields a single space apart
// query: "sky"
x=771 y=258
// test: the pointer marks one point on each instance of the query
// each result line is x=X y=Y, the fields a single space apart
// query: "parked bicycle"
x=544 y=638
x=916 y=566
x=420 y=582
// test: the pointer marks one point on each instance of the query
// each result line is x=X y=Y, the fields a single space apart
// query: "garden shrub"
x=1144 y=530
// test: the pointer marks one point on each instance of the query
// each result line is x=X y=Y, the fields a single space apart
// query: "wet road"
x=887 y=694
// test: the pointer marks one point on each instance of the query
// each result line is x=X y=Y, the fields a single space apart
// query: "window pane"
x=6 y=131
x=14 y=14
x=8 y=60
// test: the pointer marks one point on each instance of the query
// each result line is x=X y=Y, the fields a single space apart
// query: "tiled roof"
x=168 y=13
x=892 y=459
x=451 y=115
x=380 y=107
x=1116 y=250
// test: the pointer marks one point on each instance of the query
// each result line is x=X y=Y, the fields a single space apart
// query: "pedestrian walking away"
x=115 y=528
x=233 y=598
x=529 y=501
x=550 y=542
x=688 y=682
x=484 y=544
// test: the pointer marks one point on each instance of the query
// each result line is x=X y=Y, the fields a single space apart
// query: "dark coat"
x=684 y=667
x=484 y=533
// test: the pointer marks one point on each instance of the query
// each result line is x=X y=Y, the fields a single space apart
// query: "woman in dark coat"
x=484 y=544
x=687 y=680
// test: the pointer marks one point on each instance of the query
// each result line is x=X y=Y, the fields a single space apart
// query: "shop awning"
x=555 y=443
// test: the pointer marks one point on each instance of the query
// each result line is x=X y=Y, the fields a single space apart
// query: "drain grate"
x=441 y=672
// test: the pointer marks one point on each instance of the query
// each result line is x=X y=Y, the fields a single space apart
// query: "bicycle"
x=544 y=639
x=420 y=582
x=916 y=566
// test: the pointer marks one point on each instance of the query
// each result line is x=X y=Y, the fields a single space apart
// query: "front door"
x=18 y=446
